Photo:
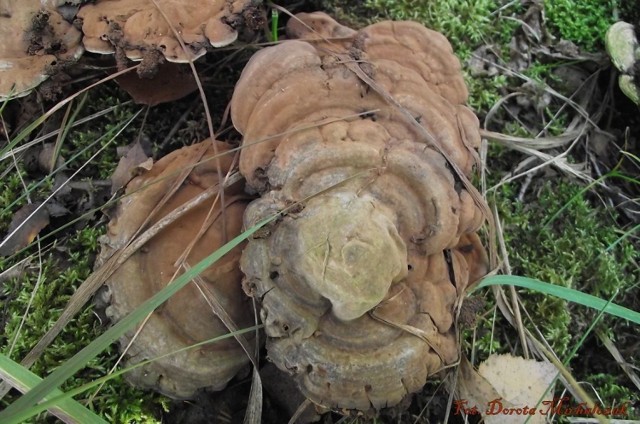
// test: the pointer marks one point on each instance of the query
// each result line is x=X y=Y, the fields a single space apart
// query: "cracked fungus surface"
x=137 y=26
x=186 y=318
x=359 y=283
x=34 y=40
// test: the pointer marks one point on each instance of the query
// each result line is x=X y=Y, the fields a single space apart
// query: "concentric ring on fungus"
x=358 y=287
x=186 y=318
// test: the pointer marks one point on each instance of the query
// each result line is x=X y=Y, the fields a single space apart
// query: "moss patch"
x=579 y=21
x=62 y=271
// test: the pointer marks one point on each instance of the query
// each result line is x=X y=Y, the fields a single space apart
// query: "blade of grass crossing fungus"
x=58 y=397
x=20 y=409
x=15 y=412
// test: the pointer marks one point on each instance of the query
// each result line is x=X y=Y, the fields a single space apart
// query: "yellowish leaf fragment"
x=505 y=389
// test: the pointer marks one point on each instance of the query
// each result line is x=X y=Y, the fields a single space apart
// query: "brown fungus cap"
x=137 y=26
x=306 y=85
x=171 y=81
x=186 y=318
x=359 y=284
x=34 y=39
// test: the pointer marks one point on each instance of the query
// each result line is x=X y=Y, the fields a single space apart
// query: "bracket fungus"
x=359 y=284
x=34 y=40
x=186 y=318
x=364 y=147
x=139 y=26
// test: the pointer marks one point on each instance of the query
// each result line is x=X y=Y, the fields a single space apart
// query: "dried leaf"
x=129 y=165
x=482 y=60
x=56 y=209
x=22 y=233
x=505 y=389
x=49 y=158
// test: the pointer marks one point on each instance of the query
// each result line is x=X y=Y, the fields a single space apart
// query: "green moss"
x=467 y=24
x=102 y=130
x=611 y=392
x=10 y=192
x=484 y=92
x=574 y=249
x=62 y=273
x=583 y=22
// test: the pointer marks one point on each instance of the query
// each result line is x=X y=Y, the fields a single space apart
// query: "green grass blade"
x=64 y=408
x=620 y=239
x=21 y=409
x=67 y=124
x=274 y=24
x=563 y=293
x=51 y=401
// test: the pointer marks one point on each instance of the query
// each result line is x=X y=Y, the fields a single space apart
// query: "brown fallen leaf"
x=171 y=82
x=19 y=234
x=49 y=158
x=505 y=389
x=130 y=164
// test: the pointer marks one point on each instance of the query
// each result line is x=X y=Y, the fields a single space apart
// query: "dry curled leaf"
x=133 y=161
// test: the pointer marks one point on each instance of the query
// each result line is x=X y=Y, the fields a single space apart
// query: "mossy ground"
x=64 y=267
x=61 y=260
x=555 y=229
x=562 y=234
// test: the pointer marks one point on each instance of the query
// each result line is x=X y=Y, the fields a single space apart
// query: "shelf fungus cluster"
x=358 y=284
x=364 y=145
x=39 y=36
x=137 y=27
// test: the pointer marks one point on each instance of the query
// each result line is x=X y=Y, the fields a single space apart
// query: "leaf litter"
x=133 y=161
